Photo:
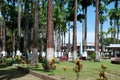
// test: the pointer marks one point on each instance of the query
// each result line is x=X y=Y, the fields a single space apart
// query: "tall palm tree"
x=1 y=31
x=59 y=24
x=111 y=31
x=69 y=38
x=49 y=49
x=97 y=55
x=26 y=39
x=4 y=38
x=35 y=35
x=102 y=19
x=85 y=4
x=3 y=9
x=75 y=32
x=43 y=25
x=19 y=29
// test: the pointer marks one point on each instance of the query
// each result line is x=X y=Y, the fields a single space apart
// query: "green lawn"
x=90 y=70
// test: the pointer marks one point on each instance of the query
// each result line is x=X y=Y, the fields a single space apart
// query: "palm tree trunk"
x=84 y=33
x=35 y=35
x=4 y=39
x=69 y=39
x=115 y=23
x=97 y=55
x=117 y=32
x=75 y=32
x=1 y=36
x=19 y=31
x=13 y=43
x=50 y=49
x=114 y=34
x=26 y=38
x=101 y=37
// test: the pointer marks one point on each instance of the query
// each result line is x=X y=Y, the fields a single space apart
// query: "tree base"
x=96 y=60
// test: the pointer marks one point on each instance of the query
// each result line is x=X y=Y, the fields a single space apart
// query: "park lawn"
x=90 y=70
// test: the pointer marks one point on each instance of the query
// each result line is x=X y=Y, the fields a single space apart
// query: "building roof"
x=112 y=46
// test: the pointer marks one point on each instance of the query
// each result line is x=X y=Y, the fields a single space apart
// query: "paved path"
x=27 y=77
x=10 y=73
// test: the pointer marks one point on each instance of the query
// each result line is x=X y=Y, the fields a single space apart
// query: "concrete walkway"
x=27 y=77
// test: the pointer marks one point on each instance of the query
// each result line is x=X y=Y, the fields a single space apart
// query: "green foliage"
x=114 y=13
x=91 y=55
x=77 y=68
x=108 y=41
x=18 y=59
x=90 y=70
x=2 y=60
x=49 y=65
x=102 y=75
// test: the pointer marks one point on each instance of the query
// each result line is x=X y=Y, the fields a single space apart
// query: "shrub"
x=102 y=75
x=77 y=68
x=92 y=55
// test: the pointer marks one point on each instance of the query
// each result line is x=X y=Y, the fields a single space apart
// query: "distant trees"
x=102 y=18
x=114 y=15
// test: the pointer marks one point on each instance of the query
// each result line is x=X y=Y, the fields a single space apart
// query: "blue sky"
x=90 y=25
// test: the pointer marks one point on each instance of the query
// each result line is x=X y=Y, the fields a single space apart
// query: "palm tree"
x=111 y=31
x=74 y=32
x=42 y=26
x=49 y=49
x=35 y=35
x=3 y=9
x=1 y=31
x=102 y=19
x=19 y=29
x=4 y=39
x=97 y=55
x=85 y=4
x=59 y=24
x=114 y=15
x=26 y=39
x=69 y=38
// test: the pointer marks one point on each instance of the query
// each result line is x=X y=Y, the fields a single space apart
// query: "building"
x=114 y=50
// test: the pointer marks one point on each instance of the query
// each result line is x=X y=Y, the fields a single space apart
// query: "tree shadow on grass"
x=8 y=74
x=3 y=65
x=49 y=72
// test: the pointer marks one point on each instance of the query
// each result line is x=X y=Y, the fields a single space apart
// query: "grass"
x=90 y=70
x=7 y=72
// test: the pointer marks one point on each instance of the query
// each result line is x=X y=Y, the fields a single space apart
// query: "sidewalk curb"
x=26 y=70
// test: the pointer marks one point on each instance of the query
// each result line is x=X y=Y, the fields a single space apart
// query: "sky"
x=90 y=26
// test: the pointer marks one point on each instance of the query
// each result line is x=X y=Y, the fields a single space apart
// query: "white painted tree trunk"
x=49 y=54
